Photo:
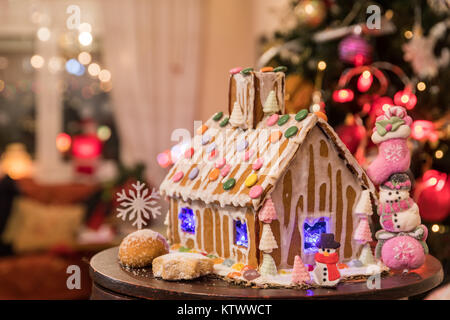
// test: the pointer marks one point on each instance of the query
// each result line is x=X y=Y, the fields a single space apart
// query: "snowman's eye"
x=328 y=250
x=397 y=192
x=390 y=193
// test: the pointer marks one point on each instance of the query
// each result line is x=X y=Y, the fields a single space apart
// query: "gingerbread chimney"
x=256 y=94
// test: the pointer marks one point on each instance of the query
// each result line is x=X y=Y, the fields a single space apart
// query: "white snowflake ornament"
x=138 y=205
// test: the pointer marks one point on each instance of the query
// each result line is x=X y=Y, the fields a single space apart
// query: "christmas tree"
x=271 y=104
x=366 y=256
x=268 y=267
x=364 y=205
x=236 y=118
x=362 y=232
x=300 y=273
x=267 y=242
x=268 y=212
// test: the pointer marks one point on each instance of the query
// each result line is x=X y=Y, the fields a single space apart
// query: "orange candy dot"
x=266 y=69
x=234 y=275
x=247 y=267
x=275 y=136
x=217 y=260
x=322 y=115
x=214 y=174
x=202 y=129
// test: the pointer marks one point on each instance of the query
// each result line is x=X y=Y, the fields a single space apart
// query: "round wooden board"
x=111 y=281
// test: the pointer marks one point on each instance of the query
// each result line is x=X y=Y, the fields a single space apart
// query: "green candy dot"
x=291 y=132
x=280 y=69
x=224 y=122
x=183 y=249
x=229 y=184
x=246 y=71
x=218 y=116
x=301 y=115
x=283 y=119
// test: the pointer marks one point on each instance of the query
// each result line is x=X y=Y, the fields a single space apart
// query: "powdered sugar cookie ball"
x=139 y=248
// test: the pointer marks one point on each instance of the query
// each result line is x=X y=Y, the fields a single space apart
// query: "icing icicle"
x=271 y=104
x=236 y=118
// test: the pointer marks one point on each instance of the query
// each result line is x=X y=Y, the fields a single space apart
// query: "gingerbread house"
x=236 y=164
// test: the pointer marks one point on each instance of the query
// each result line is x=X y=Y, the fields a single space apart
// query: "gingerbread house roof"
x=200 y=173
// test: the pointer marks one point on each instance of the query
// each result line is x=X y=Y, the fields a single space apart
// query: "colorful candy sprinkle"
x=280 y=69
x=178 y=176
x=175 y=246
x=272 y=120
x=251 y=180
x=193 y=174
x=218 y=260
x=255 y=191
x=211 y=256
x=183 y=249
x=283 y=119
x=251 y=274
x=275 y=136
x=233 y=275
x=342 y=266
x=235 y=70
x=225 y=170
x=322 y=115
x=218 y=116
x=224 y=122
x=237 y=266
x=228 y=262
x=258 y=164
x=214 y=174
x=266 y=69
x=221 y=162
x=246 y=71
x=248 y=267
x=301 y=115
x=229 y=184
x=189 y=153
x=206 y=139
x=242 y=145
x=202 y=129
x=291 y=131
x=248 y=154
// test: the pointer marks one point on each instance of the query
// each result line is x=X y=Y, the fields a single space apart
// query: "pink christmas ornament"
x=403 y=252
x=300 y=273
x=268 y=212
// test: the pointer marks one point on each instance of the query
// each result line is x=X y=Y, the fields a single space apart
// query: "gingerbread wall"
x=214 y=230
x=316 y=184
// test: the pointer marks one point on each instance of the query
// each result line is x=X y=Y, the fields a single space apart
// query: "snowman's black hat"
x=327 y=241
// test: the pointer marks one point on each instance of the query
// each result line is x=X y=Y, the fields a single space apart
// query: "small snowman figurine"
x=326 y=272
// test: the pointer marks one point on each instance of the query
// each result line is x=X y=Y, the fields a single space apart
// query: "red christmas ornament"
x=343 y=95
x=379 y=104
x=433 y=196
x=355 y=49
x=405 y=98
x=365 y=81
x=351 y=135
x=423 y=130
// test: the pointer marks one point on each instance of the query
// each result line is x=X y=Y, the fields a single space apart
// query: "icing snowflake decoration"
x=404 y=251
x=138 y=205
x=394 y=152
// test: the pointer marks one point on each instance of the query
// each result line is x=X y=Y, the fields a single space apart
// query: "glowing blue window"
x=311 y=232
x=187 y=219
x=240 y=237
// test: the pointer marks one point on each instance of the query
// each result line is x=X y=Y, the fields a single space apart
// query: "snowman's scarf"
x=330 y=261
x=395 y=207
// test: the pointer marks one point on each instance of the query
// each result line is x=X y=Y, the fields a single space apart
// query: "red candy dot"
x=235 y=70
x=189 y=153
x=255 y=192
x=178 y=176
x=272 y=120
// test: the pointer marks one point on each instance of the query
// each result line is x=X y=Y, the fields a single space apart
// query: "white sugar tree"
x=138 y=205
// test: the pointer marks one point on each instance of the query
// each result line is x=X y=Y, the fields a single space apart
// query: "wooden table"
x=110 y=281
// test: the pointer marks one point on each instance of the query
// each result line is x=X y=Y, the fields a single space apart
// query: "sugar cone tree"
x=268 y=266
x=267 y=242
x=366 y=256
x=271 y=104
x=300 y=273
x=364 y=205
x=236 y=118
x=362 y=233
x=268 y=212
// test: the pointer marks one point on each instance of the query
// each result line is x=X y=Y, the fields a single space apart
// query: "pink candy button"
x=189 y=153
x=258 y=164
x=248 y=154
x=225 y=170
x=220 y=163
x=255 y=191
x=272 y=120
x=178 y=176
x=235 y=70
